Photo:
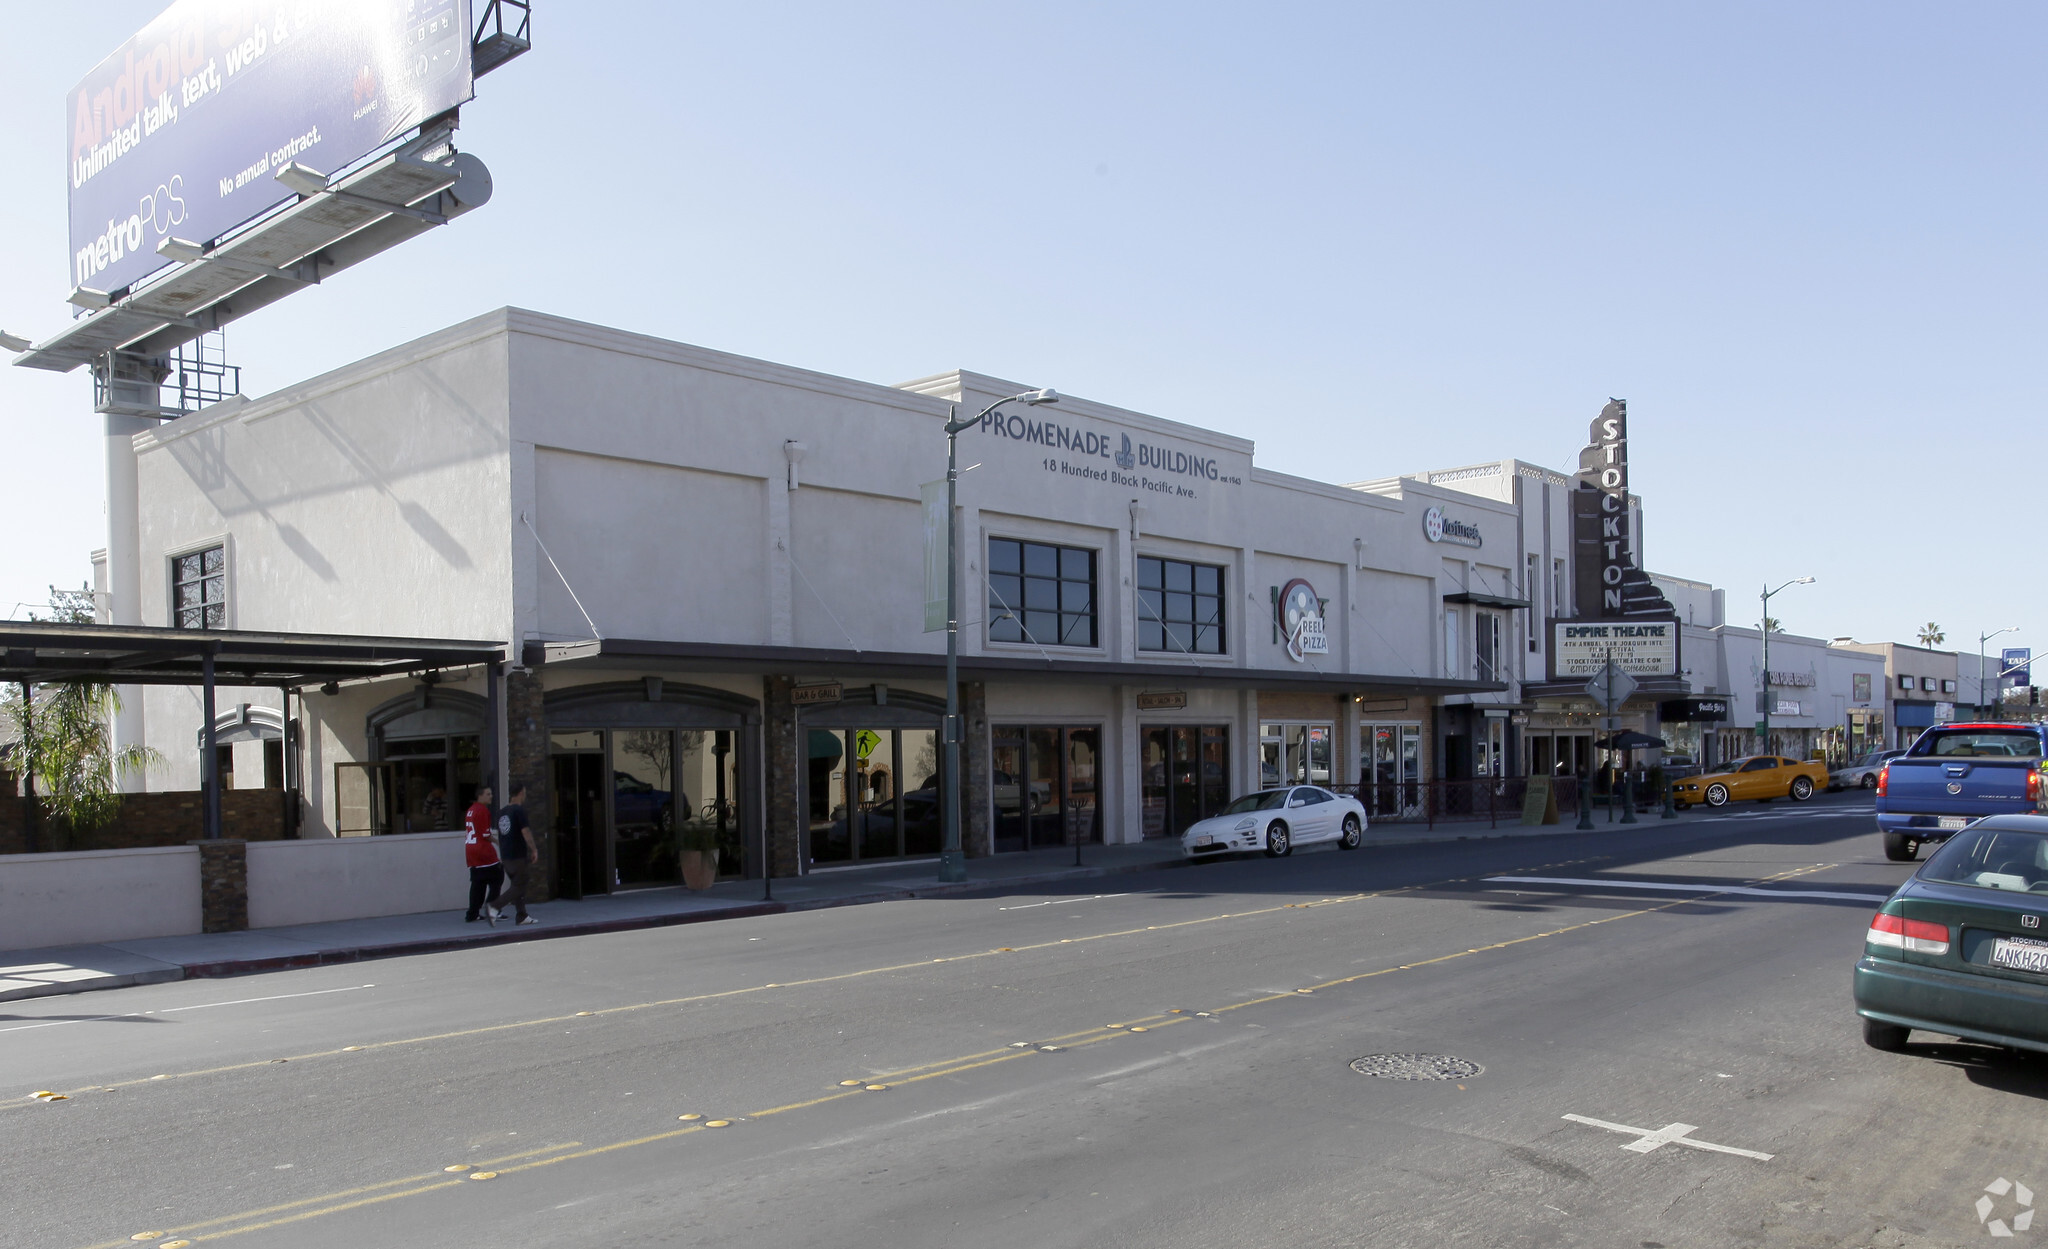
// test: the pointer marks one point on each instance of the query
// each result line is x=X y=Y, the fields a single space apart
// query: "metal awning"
x=372 y=210
x=147 y=655
x=904 y=665
x=1482 y=599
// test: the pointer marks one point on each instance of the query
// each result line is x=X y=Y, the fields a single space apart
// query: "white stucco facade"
x=714 y=525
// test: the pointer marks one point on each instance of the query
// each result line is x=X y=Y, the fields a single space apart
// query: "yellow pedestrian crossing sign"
x=865 y=742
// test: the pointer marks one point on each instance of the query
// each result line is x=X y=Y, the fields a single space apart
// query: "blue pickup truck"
x=1954 y=774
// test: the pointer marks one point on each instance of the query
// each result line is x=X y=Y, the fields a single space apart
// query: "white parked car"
x=1862 y=774
x=1278 y=820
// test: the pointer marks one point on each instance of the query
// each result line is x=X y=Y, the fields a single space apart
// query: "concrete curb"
x=547 y=932
x=115 y=980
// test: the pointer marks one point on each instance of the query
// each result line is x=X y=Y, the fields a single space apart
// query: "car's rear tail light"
x=1884 y=776
x=1915 y=936
x=2034 y=787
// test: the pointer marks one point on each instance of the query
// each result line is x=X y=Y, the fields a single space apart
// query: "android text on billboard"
x=179 y=132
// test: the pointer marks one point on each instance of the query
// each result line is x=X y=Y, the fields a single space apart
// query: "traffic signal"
x=2033 y=696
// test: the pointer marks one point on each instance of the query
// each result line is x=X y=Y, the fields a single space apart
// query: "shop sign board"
x=813 y=695
x=1693 y=710
x=1300 y=617
x=1641 y=648
x=2016 y=662
x=1539 y=802
x=1859 y=687
x=1791 y=679
x=1944 y=713
x=1163 y=700
x=1438 y=527
x=179 y=133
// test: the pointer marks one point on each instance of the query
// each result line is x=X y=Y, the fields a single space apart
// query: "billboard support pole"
x=124 y=571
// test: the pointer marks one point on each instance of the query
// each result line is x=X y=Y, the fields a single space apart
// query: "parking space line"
x=1614 y=882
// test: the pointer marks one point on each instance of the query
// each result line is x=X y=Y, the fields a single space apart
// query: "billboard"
x=2016 y=662
x=179 y=132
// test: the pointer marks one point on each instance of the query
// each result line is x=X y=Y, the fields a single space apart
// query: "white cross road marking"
x=1670 y=1134
x=1624 y=883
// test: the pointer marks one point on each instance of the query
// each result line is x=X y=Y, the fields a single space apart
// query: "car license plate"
x=1955 y=821
x=2020 y=954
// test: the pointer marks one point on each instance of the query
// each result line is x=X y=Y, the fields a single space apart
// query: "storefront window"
x=1486 y=646
x=1180 y=607
x=1391 y=772
x=1045 y=785
x=1295 y=754
x=433 y=781
x=1040 y=593
x=873 y=794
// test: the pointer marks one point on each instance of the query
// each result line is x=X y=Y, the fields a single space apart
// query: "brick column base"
x=223 y=885
x=526 y=754
x=785 y=821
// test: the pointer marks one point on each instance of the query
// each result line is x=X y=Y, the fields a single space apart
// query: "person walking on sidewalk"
x=517 y=850
x=485 y=872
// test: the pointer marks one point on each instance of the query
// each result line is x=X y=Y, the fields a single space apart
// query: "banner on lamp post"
x=932 y=496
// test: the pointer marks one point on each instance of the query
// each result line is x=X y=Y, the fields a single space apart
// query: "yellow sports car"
x=1761 y=777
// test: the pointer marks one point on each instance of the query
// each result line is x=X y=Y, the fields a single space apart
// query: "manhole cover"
x=1416 y=1066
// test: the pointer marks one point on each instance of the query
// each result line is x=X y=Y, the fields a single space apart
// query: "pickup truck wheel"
x=1869 y=781
x=1717 y=795
x=1900 y=848
x=1889 y=1037
x=1802 y=788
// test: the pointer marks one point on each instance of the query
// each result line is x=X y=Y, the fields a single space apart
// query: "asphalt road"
x=1168 y=1064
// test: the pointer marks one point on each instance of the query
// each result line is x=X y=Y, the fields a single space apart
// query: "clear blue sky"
x=1805 y=242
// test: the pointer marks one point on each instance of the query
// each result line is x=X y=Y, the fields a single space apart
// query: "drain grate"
x=1416 y=1066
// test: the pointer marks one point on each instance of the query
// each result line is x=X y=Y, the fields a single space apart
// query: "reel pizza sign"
x=1299 y=613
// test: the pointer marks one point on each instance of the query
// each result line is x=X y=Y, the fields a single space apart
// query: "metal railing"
x=1495 y=799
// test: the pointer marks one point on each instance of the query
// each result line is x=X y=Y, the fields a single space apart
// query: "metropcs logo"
x=158 y=212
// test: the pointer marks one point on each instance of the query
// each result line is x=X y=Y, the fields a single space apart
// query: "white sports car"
x=1278 y=820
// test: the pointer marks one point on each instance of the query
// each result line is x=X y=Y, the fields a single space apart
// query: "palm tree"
x=65 y=742
x=1931 y=634
x=1773 y=625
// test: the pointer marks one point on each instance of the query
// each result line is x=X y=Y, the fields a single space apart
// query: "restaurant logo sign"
x=1299 y=613
x=1438 y=527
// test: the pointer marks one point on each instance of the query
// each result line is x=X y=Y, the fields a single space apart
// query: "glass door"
x=1185 y=775
x=875 y=794
x=1046 y=786
x=582 y=841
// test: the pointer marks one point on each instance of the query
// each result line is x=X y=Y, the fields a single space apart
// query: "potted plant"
x=699 y=846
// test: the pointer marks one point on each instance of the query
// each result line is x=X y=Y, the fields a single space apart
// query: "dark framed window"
x=1038 y=592
x=1180 y=607
x=199 y=589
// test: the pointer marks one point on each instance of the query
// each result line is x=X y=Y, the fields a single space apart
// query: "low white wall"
x=328 y=878
x=89 y=896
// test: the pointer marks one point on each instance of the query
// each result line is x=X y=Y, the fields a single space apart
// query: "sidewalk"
x=74 y=969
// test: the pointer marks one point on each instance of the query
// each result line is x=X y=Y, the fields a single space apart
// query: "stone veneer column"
x=526 y=761
x=977 y=781
x=784 y=820
x=223 y=885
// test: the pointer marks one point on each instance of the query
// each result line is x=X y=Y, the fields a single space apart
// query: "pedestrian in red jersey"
x=486 y=874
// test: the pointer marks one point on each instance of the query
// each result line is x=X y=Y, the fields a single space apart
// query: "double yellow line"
x=417 y=1185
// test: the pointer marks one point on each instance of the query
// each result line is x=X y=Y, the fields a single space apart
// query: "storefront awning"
x=147 y=655
x=818 y=661
x=1481 y=598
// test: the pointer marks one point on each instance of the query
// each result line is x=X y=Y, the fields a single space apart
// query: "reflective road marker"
x=1651 y=1139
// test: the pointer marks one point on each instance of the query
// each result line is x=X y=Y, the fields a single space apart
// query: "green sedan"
x=1962 y=947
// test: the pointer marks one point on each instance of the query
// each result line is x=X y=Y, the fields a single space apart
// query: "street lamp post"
x=952 y=860
x=1981 y=639
x=1763 y=746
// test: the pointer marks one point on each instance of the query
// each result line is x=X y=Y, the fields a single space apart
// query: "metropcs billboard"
x=179 y=132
